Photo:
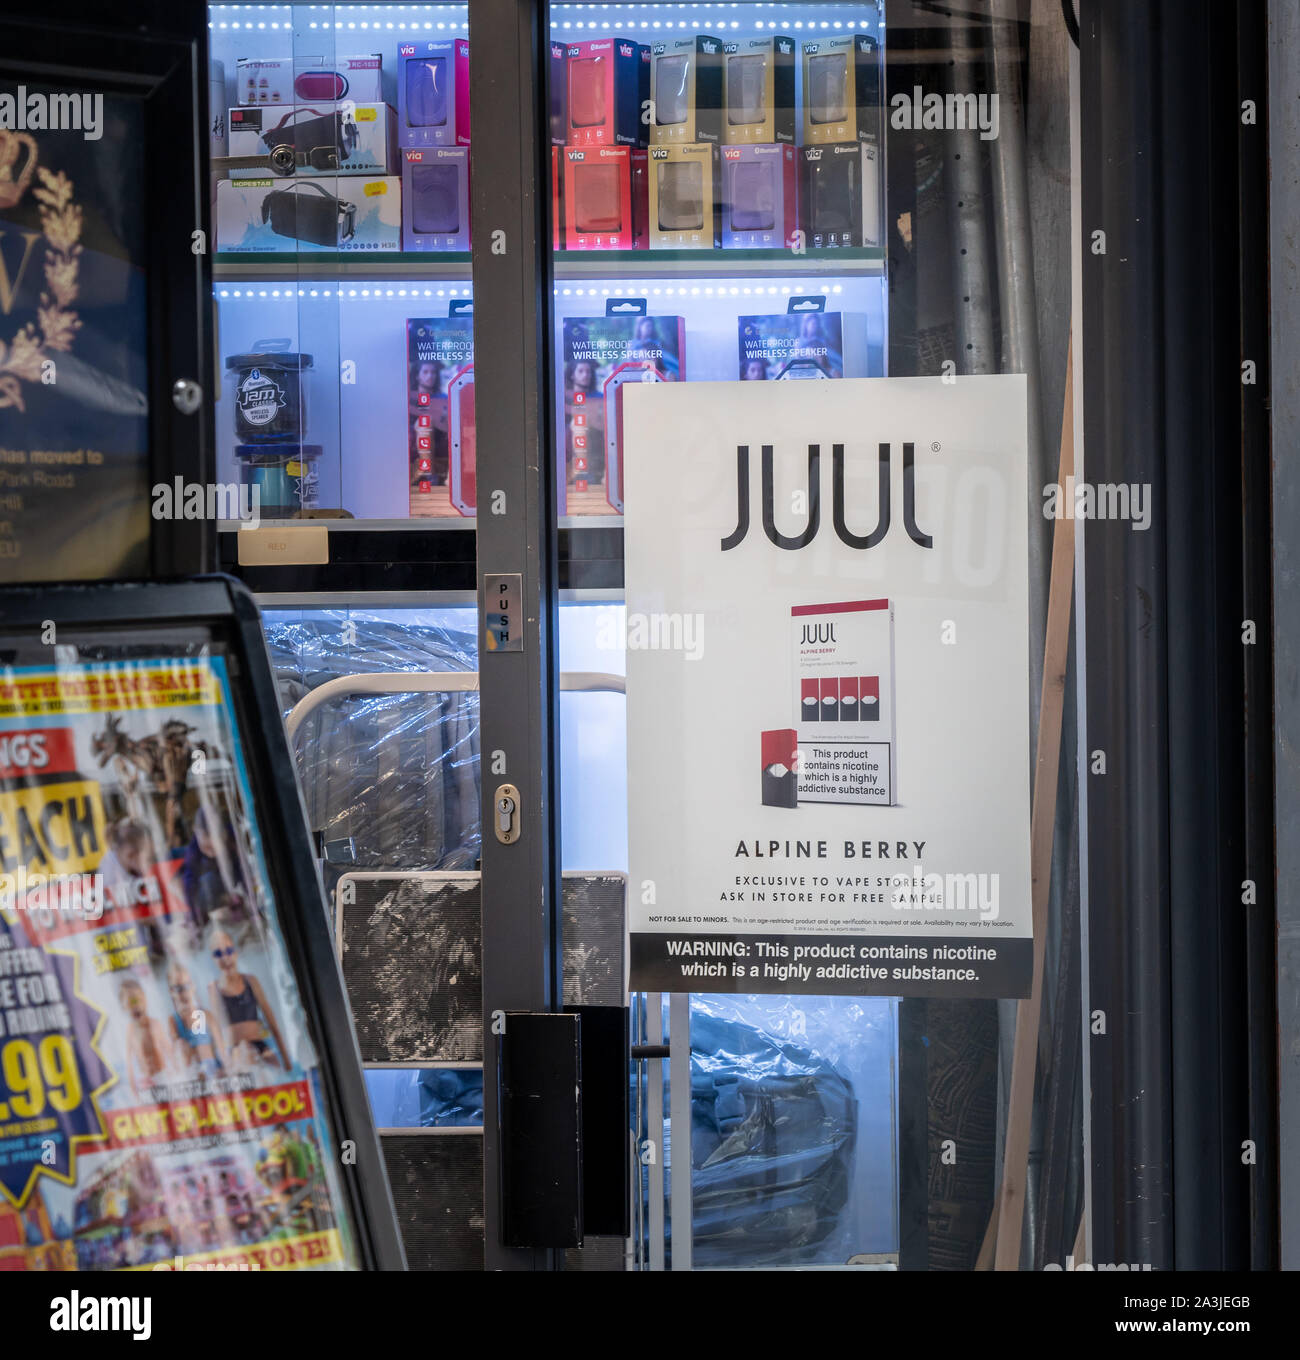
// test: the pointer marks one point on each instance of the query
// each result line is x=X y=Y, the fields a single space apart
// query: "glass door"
x=785 y=707
x=808 y=196
x=340 y=152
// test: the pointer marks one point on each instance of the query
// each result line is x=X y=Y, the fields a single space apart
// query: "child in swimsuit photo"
x=195 y=1035
x=147 y=1048
x=247 y=1021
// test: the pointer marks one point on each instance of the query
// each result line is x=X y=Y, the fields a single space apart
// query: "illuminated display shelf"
x=236 y=268
x=568 y=264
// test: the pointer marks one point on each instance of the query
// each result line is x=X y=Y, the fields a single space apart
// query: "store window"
x=761 y=557
x=787 y=622
x=341 y=149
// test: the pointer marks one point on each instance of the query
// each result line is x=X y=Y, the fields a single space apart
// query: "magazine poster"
x=160 y=1098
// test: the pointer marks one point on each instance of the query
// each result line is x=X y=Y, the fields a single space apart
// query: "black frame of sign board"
x=134 y=615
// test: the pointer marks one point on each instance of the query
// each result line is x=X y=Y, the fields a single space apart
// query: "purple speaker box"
x=435 y=198
x=433 y=93
x=759 y=197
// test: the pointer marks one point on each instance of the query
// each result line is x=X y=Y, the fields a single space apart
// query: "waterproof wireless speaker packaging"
x=435 y=198
x=274 y=215
x=601 y=355
x=605 y=198
x=759 y=196
x=681 y=197
x=804 y=342
x=759 y=91
x=308 y=79
x=433 y=93
x=606 y=84
x=440 y=410
x=686 y=89
x=311 y=139
x=843 y=701
x=841 y=90
x=840 y=196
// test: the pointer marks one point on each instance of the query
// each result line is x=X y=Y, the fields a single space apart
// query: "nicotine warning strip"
x=829 y=792
x=828 y=965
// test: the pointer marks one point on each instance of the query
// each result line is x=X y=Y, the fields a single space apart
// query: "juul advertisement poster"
x=159 y=1094
x=828 y=687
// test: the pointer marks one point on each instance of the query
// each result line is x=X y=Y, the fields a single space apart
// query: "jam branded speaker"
x=323 y=141
x=320 y=217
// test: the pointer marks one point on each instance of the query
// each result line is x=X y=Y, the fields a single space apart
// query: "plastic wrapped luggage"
x=390 y=780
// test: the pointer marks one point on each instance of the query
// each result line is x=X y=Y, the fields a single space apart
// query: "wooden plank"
x=1024 y=1059
x=985 y=1259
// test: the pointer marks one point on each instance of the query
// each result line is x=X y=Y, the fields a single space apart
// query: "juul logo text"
x=793 y=542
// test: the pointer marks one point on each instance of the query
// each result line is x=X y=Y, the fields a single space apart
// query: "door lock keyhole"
x=505 y=814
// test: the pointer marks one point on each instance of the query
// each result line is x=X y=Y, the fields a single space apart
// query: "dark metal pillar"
x=1170 y=312
x=516 y=534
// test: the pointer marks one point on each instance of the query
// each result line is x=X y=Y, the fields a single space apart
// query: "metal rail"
x=430 y=682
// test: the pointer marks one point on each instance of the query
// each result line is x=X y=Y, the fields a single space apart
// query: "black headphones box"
x=314 y=139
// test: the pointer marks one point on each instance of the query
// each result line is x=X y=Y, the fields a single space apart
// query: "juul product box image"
x=758 y=196
x=308 y=79
x=843 y=701
x=276 y=215
x=602 y=354
x=606 y=83
x=682 y=197
x=433 y=93
x=780 y=760
x=435 y=198
x=841 y=89
x=804 y=342
x=840 y=195
x=605 y=198
x=440 y=413
x=686 y=87
x=759 y=90
x=314 y=139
